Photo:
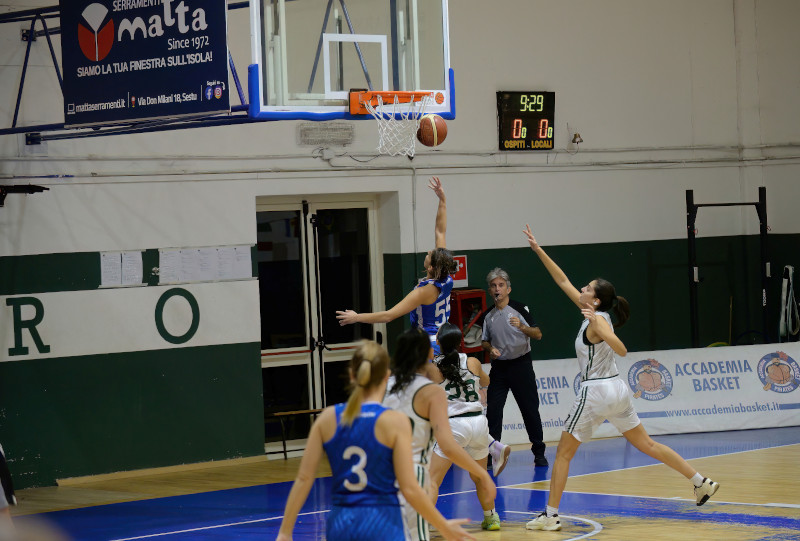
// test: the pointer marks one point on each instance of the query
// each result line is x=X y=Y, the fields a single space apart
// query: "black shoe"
x=540 y=461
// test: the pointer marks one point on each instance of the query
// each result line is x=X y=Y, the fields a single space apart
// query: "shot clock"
x=525 y=120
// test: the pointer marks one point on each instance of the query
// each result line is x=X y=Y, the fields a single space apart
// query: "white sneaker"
x=705 y=491
x=500 y=454
x=543 y=522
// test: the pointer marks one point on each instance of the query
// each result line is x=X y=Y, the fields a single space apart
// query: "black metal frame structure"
x=34 y=135
x=19 y=188
x=694 y=278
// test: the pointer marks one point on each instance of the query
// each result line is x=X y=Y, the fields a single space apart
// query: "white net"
x=397 y=124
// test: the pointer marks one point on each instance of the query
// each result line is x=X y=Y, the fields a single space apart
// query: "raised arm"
x=426 y=294
x=398 y=428
x=303 y=481
x=440 y=422
x=555 y=271
x=441 y=213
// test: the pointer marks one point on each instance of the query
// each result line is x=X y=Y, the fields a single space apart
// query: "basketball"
x=432 y=130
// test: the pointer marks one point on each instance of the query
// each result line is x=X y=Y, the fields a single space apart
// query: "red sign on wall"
x=460 y=276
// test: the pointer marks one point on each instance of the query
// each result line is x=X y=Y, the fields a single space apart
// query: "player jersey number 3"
x=442 y=311
x=357 y=469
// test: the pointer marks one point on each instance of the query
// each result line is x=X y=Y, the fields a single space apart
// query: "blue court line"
x=312 y=523
x=617 y=454
x=586 y=504
x=214 y=527
x=252 y=512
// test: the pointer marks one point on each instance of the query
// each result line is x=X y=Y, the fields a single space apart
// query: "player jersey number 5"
x=442 y=311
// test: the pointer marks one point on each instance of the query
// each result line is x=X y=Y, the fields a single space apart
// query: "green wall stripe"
x=49 y=272
x=67 y=417
x=652 y=275
x=79 y=271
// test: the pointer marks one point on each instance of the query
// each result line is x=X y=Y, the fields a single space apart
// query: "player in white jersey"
x=603 y=394
x=368 y=447
x=413 y=393
x=461 y=377
x=428 y=304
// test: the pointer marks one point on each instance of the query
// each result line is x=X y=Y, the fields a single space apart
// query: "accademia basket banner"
x=679 y=391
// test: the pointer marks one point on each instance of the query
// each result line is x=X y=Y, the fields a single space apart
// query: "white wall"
x=667 y=96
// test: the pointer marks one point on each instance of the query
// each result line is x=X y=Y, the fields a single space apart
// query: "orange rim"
x=359 y=97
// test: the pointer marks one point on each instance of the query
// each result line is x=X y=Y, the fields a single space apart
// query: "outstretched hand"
x=531 y=239
x=346 y=317
x=436 y=185
x=454 y=530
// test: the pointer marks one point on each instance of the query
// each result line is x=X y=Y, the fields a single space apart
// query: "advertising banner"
x=679 y=391
x=126 y=60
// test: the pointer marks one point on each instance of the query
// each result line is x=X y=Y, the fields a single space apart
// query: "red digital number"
x=516 y=129
x=543 y=125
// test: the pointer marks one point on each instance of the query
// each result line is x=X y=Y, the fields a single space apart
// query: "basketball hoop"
x=398 y=115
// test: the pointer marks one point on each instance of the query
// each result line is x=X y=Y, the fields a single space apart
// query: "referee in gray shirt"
x=507 y=331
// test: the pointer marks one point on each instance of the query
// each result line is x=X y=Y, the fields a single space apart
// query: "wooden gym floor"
x=614 y=493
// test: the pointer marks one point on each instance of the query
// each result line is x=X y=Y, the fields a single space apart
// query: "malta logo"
x=649 y=379
x=96 y=32
x=779 y=372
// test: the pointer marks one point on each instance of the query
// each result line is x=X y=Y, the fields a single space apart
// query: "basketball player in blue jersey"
x=461 y=377
x=411 y=392
x=429 y=302
x=369 y=447
x=603 y=395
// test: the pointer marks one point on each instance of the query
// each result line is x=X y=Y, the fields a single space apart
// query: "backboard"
x=308 y=55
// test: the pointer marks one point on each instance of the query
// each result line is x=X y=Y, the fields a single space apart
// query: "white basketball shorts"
x=597 y=401
x=471 y=433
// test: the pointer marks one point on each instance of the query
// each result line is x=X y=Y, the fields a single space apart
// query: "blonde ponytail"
x=364 y=373
x=368 y=366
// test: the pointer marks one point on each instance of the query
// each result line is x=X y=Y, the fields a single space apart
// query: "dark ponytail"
x=413 y=348
x=449 y=338
x=622 y=311
x=610 y=302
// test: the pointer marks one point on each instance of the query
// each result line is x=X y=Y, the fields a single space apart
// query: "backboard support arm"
x=319 y=45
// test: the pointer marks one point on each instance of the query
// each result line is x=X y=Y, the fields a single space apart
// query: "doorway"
x=314 y=257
